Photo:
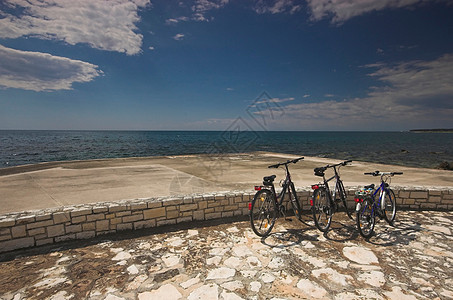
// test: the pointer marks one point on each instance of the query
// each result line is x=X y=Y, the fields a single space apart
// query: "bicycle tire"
x=343 y=199
x=366 y=218
x=263 y=213
x=389 y=208
x=322 y=210
x=295 y=203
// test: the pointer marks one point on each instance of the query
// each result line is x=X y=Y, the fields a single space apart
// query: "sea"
x=426 y=150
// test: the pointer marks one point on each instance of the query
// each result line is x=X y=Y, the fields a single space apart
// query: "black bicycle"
x=324 y=202
x=369 y=204
x=266 y=206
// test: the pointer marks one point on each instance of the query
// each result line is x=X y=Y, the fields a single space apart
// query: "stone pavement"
x=413 y=260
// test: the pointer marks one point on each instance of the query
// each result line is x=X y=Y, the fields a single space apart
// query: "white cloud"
x=272 y=101
x=178 y=37
x=414 y=94
x=176 y=21
x=41 y=71
x=102 y=24
x=201 y=7
x=277 y=6
x=281 y=100
x=171 y=21
x=151 y=48
x=425 y=85
x=341 y=11
x=206 y=5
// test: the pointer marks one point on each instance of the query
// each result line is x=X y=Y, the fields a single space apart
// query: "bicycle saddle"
x=267 y=180
x=319 y=171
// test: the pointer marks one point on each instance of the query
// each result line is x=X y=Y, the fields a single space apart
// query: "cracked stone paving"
x=412 y=260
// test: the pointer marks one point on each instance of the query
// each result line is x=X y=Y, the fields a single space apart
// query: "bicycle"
x=368 y=205
x=266 y=206
x=324 y=202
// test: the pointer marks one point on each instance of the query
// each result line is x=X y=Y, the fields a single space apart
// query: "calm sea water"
x=401 y=148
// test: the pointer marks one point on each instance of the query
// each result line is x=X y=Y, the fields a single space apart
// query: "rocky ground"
x=413 y=260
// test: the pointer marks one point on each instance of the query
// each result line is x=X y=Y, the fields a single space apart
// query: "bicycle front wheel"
x=365 y=217
x=322 y=210
x=390 y=206
x=263 y=213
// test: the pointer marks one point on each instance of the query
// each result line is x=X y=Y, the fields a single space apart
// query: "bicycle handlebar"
x=286 y=163
x=377 y=173
x=344 y=163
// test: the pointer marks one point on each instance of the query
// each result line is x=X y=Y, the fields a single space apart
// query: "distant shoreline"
x=432 y=130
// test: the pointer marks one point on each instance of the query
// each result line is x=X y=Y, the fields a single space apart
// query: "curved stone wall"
x=36 y=228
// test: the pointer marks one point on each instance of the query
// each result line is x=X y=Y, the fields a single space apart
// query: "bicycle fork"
x=383 y=198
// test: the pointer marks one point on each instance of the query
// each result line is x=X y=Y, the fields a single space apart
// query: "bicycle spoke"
x=321 y=210
x=263 y=213
x=365 y=218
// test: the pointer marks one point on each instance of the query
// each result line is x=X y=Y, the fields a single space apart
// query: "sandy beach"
x=56 y=184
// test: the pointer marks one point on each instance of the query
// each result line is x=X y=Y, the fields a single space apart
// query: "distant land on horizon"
x=440 y=130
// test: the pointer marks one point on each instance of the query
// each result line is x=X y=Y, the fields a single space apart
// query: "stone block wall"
x=42 y=227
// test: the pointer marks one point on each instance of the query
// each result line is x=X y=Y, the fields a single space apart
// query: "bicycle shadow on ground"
x=341 y=232
x=403 y=232
x=291 y=235
x=342 y=229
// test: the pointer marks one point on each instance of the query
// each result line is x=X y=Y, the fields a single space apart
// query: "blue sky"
x=219 y=64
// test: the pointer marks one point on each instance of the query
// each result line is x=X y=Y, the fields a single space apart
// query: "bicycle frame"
x=324 y=200
x=286 y=186
x=263 y=217
x=382 y=191
x=336 y=176
x=377 y=206
x=326 y=184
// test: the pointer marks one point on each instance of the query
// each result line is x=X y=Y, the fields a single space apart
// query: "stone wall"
x=42 y=227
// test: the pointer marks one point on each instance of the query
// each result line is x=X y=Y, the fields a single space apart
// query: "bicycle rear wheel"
x=390 y=206
x=263 y=213
x=343 y=199
x=365 y=218
x=322 y=210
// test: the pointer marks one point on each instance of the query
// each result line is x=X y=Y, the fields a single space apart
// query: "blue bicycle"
x=369 y=204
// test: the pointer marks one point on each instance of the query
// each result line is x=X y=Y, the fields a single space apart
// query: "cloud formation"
x=277 y=6
x=413 y=93
x=178 y=37
x=341 y=11
x=201 y=7
x=38 y=72
x=103 y=24
x=418 y=82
